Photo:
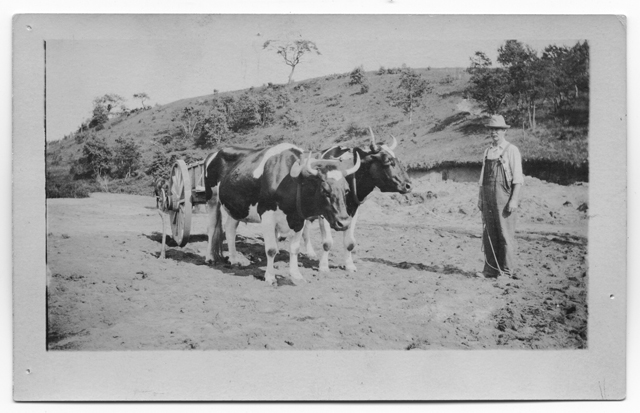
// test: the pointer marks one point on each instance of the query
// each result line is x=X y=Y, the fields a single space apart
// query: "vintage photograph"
x=261 y=207
x=317 y=183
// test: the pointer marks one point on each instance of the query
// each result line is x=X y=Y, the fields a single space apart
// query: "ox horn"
x=373 y=138
x=355 y=167
x=308 y=168
x=296 y=168
x=394 y=144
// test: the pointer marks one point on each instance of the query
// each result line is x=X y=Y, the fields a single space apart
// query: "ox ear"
x=296 y=168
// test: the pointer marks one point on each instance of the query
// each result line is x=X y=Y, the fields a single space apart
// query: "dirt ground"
x=415 y=287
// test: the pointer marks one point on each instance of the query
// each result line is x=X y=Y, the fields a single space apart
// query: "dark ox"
x=278 y=187
x=380 y=168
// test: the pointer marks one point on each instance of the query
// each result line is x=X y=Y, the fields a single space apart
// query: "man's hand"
x=512 y=206
x=480 y=203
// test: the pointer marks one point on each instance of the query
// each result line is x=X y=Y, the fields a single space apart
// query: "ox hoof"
x=312 y=255
x=297 y=276
x=324 y=269
x=351 y=268
x=271 y=280
x=240 y=262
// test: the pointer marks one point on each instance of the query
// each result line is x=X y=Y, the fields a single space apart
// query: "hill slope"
x=446 y=129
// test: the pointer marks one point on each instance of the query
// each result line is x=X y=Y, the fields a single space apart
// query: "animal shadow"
x=404 y=265
x=250 y=248
x=157 y=237
x=187 y=256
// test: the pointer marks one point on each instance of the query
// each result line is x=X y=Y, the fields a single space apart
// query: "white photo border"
x=329 y=375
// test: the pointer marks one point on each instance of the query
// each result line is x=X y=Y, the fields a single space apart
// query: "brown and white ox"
x=380 y=169
x=279 y=187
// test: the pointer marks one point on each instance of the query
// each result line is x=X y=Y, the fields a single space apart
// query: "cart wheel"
x=180 y=194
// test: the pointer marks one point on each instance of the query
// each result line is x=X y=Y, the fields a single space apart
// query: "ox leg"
x=327 y=243
x=235 y=258
x=212 y=204
x=164 y=236
x=294 y=249
x=350 y=244
x=270 y=245
x=307 y=241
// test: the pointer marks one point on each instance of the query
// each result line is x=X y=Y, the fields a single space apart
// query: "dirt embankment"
x=415 y=287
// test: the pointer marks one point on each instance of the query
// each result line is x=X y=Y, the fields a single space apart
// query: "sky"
x=172 y=58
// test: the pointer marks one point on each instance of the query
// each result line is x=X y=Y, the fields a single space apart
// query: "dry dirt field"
x=415 y=287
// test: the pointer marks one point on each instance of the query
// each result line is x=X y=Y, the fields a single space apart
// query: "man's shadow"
x=404 y=265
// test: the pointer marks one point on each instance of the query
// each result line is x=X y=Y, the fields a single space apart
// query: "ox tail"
x=218 y=234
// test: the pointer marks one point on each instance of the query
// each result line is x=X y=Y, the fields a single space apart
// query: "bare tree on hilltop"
x=291 y=52
x=142 y=96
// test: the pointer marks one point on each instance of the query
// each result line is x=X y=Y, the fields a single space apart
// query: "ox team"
x=285 y=188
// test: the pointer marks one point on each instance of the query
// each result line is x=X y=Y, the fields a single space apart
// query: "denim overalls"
x=498 y=237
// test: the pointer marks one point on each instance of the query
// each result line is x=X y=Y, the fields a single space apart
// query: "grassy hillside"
x=445 y=130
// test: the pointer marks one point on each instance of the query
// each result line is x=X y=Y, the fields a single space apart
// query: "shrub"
x=126 y=157
x=448 y=79
x=273 y=140
x=160 y=165
x=358 y=77
x=96 y=158
x=266 y=109
x=57 y=188
x=354 y=131
x=245 y=113
x=215 y=128
x=283 y=100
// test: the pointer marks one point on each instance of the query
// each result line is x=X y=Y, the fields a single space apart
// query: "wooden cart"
x=185 y=189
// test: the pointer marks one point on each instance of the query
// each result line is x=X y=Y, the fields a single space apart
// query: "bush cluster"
x=358 y=77
x=68 y=189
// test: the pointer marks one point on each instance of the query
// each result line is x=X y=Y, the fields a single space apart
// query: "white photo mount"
x=598 y=372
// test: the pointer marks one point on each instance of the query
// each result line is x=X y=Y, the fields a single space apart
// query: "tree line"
x=99 y=159
x=525 y=81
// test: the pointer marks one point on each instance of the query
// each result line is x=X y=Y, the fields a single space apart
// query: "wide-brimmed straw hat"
x=497 y=121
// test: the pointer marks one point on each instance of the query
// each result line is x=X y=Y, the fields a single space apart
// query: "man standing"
x=500 y=182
